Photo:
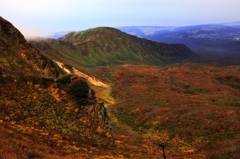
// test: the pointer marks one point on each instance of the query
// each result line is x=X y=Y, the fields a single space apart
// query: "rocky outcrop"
x=99 y=118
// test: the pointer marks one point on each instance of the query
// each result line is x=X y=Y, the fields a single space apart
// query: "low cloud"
x=32 y=32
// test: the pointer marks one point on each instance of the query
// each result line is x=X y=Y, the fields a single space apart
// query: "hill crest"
x=106 y=46
x=18 y=57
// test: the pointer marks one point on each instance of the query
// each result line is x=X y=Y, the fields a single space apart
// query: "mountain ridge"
x=147 y=28
x=105 y=45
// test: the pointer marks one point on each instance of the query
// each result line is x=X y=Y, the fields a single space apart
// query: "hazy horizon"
x=41 y=18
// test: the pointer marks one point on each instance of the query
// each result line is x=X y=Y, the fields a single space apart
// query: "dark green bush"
x=32 y=155
x=80 y=90
x=184 y=85
x=188 y=91
x=92 y=91
x=46 y=80
x=64 y=80
x=83 y=102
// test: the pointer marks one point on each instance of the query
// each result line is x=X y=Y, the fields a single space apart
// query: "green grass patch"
x=178 y=84
x=189 y=91
x=130 y=120
x=231 y=81
x=184 y=85
x=195 y=91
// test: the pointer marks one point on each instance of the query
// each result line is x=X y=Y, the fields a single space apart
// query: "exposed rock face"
x=18 y=56
x=98 y=114
x=93 y=114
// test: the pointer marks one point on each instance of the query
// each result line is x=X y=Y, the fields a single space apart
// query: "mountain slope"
x=19 y=57
x=39 y=100
x=103 y=46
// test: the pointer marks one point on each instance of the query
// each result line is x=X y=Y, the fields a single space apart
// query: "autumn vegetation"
x=148 y=107
x=196 y=105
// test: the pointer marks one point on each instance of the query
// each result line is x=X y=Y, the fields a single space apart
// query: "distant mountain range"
x=218 y=39
x=145 y=31
x=57 y=35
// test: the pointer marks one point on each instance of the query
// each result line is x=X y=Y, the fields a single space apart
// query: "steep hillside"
x=17 y=56
x=107 y=46
x=40 y=101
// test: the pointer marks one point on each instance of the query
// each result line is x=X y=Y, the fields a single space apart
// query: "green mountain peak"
x=106 y=46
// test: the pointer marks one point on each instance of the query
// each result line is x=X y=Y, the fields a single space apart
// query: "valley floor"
x=196 y=105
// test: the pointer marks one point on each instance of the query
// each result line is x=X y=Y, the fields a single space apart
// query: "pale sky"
x=43 y=17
